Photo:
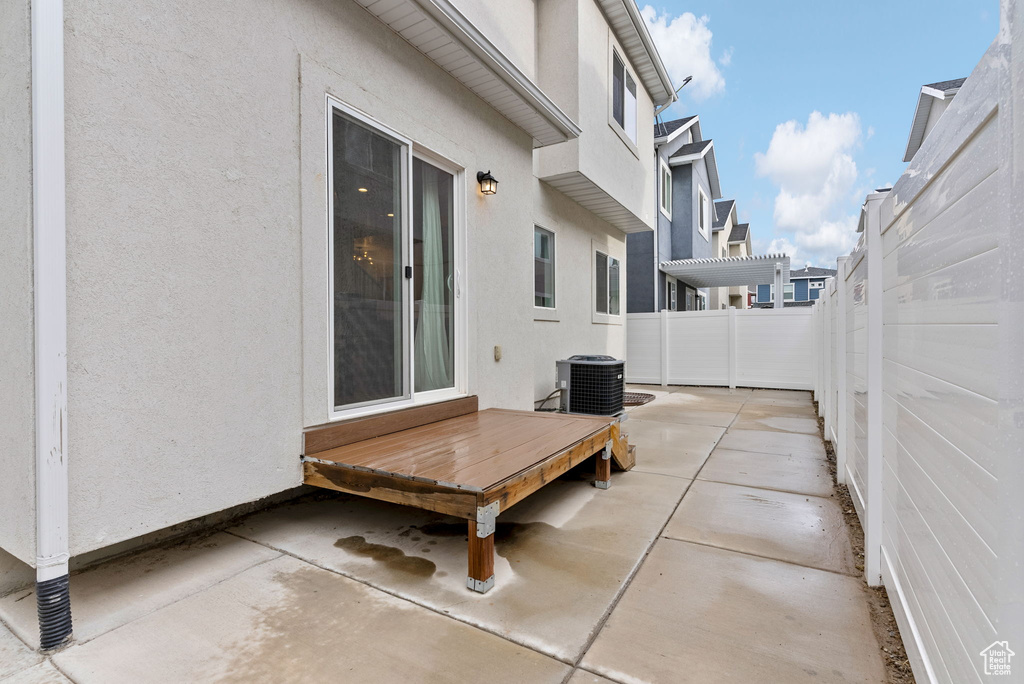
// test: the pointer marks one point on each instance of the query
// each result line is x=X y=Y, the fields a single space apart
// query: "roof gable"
x=723 y=209
x=739 y=232
x=696 y=151
x=930 y=93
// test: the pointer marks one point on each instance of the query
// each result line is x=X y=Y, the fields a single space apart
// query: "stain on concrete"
x=394 y=558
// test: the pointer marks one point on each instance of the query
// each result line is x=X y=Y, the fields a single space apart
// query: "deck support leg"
x=603 y=475
x=481 y=560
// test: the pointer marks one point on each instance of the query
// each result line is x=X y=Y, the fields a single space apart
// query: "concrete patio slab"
x=14 y=654
x=43 y=673
x=782 y=398
x=675 y=462
x=286 y=621
x=808 y=530
x=682 y=415
x=681 y=457
x=777 y=418
x=657 y=434
x=772 y=442
x=704 y=615
x=771 y=471
x=123 y=589
x=562 y=555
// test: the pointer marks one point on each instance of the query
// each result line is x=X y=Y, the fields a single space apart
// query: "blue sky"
x=762 y=68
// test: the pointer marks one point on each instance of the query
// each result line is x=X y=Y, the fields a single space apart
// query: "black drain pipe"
x=54 y=603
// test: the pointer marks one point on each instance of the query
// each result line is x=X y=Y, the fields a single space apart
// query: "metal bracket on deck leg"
x=481 y=586
x=607 y=454
x=602 y=484
x=486 y=517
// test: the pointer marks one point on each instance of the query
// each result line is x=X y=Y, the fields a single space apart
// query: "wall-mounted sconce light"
x=488 y=185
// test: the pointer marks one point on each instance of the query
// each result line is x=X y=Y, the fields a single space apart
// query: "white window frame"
x=671 y=294
x=816 y=285
x=702 y=213
x=410 y=397
x=599 y=316
x=665 y=190
x=792 y=293
x=545 y=313
x=628 y=130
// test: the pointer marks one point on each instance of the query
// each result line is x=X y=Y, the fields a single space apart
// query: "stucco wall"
x=17 y=383
x=511 y=25
x=577 y=233
x=579 y=81
x=197 y=325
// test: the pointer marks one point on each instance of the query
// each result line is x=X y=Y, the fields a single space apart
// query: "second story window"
x=666 y=189
x=607 y=280
x=702 y=213
x=544 y=268
x=623 y=97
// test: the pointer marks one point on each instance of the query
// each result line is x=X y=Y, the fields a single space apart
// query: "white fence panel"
x=775 y=348
x=929 y=431
x=643 y=348
x=698 y=343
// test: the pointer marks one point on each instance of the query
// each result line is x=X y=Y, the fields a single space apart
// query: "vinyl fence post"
x=873 y=478
x=841 y=417
x=664 y=348
x=732 y=347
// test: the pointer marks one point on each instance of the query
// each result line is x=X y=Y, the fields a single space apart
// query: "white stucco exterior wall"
x=197 y=323
x=572 y=328
x=17 y=339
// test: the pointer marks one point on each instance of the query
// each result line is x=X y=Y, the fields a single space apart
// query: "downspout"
x=50 y=295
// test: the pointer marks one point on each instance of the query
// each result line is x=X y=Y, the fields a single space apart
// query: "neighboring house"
x=721 y=229
x=274 y=221
x=687 y=186
x=805 y=286
x=932 y=101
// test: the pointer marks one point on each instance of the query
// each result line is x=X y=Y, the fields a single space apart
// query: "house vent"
x=591 y=384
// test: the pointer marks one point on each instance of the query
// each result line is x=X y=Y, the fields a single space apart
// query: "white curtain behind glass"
x=433 y=347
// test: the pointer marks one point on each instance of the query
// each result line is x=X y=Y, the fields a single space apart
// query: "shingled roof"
x=739 y=232
x=722 y=210
x=812 y=272
x=662 y=130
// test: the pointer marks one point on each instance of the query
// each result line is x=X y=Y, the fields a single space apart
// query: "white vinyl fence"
x=728 y=348
x=921 y=381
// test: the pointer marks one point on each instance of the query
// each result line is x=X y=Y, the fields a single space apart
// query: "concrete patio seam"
x=403 y=598
x=768 y=489
x=647 y=552
x=757 y=555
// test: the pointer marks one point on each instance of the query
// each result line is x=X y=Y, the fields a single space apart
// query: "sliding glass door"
x=394 y=280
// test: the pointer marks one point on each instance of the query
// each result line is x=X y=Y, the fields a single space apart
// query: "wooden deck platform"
x=462 y=462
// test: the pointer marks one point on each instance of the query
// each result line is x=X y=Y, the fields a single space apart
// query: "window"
x=666 y=189
x=623 y=97
x=691 y=299
x=702 y=301
x=607 y=295
x=393 y=281
x=817 y=284
x=787 y=293
x=702 y=213
x=672 y=298
x=543 y=268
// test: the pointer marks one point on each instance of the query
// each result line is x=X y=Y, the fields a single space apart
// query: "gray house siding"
x=800 y=290
x=640 y=295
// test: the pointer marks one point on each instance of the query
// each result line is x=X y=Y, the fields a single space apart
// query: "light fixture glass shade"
x=488 y=184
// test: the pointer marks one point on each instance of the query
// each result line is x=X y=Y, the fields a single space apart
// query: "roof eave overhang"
x=445 y=36
x=695 y=121
x=631 y=30
x=591 y=196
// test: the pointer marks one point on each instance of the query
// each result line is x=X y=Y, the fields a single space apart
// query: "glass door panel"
x=433 y=276
x=367 y=229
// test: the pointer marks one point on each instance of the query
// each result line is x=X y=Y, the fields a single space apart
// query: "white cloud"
x=726 y=58
x=684 y=43
x=813 y=167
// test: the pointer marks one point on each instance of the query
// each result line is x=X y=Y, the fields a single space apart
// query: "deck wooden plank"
x=505 y=464
x=520 y=486
x=435 y=498
x=322 y=438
